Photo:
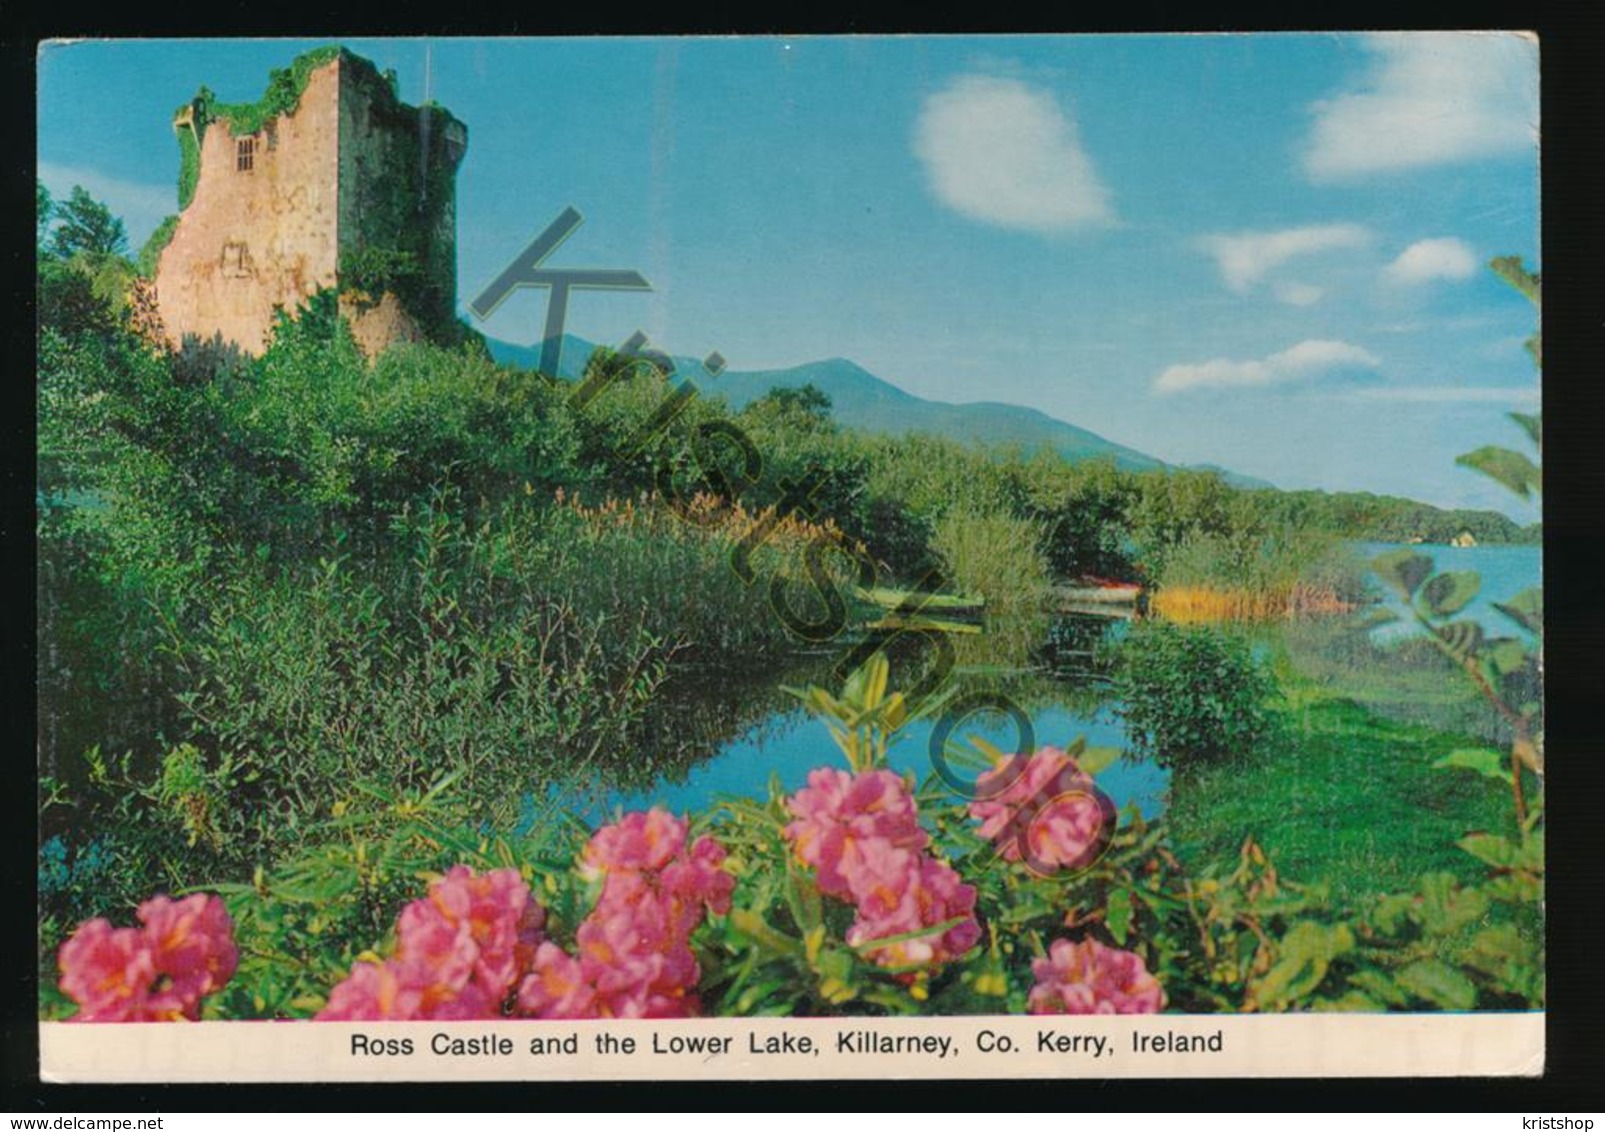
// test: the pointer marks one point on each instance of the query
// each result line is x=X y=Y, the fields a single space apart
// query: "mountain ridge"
x=861 y=399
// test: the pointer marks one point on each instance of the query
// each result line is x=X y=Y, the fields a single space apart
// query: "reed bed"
x=1189 y=604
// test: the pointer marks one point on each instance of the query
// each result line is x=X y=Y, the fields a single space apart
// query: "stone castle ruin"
x=328 y=182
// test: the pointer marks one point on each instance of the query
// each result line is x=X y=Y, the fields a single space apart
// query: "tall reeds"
x=1210 y=603
x=1290 y=573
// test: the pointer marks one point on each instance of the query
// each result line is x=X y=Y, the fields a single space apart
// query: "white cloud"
x=1003 y=152
x=1297 y=294
x=1424 y=260
x=1246 y=257
x=140 y=207
x=1307 y=359
x=1432 y=98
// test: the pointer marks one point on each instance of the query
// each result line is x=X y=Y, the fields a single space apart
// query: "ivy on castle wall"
x=285 y=87
x=189 y=162
x=151 y=253
x=399 y=236
x=402 y=234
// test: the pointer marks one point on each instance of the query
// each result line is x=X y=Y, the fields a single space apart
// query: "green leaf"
x=904 y=937
x=1025 y=910
x=1511 y=469
x=1511 y=959
x=1392 y=911
x=752 y=925
x=1438 y=983
x=1531 y=425
x=1515 y=888
x=1506 y=654
x=1461 y=637
x=1379 y=985
x=1450 y=592
x=1352 y=1001
x=1118 y=918
x=1096 y=760
x=1374 y=618
x=1445 y=907
x=1485 y=761
x=1403 y=570
x=1511 y=269
x=1304 y=956
x=802 y=897
x=1526 y=609
x=1503 y=853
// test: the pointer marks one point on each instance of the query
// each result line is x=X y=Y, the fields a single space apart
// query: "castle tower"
x=329 y=181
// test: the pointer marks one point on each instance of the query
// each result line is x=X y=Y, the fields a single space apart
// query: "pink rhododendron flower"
x=625 y=947
x=842 y=816
x=633 y=952
x=1042 y=808
x=556 y=987
x=108 y=972
x=696 y=882
x=433 y=953
x=192 y=944
x=492 y=921
x=158 y=972
x=1089 y=978
x=639 y=841
x=861 y=834
x=373 y=992
x=460 y=953
x=901 y=891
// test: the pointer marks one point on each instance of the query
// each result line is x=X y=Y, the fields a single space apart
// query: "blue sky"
x=1262 y=251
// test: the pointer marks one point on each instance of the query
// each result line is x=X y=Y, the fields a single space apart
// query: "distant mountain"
x=1236 y=479
x=861 y=400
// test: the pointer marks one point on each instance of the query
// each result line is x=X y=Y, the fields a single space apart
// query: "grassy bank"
x=1343 y=791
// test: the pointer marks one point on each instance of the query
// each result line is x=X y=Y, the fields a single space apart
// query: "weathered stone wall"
x=352 y=190
x=254 y=240
x=377 y=325
x=398 y=180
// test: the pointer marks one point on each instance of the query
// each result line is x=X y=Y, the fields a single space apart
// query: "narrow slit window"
x=245 y=155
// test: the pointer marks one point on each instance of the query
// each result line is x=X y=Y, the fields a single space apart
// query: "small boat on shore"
x=905 y=601
x=1097 y=591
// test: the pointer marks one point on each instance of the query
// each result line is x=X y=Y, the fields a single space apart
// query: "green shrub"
x=307 y=688
x=1191 y=695
x=996 y=556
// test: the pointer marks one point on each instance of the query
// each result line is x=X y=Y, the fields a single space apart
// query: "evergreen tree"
x=86 y=226
x=44 y=212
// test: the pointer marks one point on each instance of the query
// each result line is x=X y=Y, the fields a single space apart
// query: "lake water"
x=1505 y=571
x=738 y=740
x=784 y=742
x=787 y=746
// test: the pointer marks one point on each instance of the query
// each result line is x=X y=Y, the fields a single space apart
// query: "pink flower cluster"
x=1043 y=809
x=460 y=952
x=860 y=833
x=158 y=972
x=634 y=957
x=1089 y=978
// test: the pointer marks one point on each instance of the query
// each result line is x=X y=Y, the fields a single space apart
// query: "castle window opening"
x=245 y=155
x=236 y=260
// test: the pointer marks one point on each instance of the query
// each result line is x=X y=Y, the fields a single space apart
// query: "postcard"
x=790 y=557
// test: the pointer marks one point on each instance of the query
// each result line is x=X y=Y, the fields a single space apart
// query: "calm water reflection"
x=716 y=736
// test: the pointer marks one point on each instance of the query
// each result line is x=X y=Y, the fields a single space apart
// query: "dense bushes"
x=858 y=894
x=995 y=555
x=302 y=686
x=1191 y=695
x=324 y=629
